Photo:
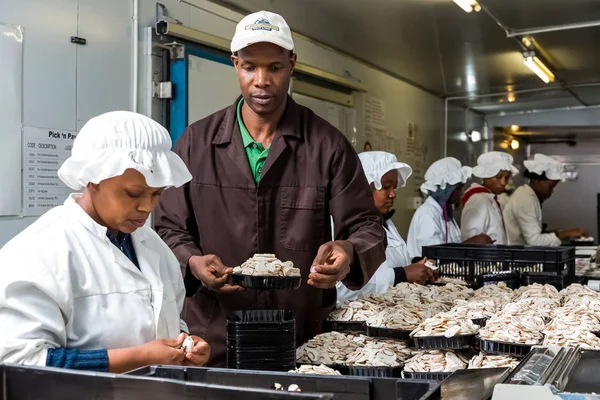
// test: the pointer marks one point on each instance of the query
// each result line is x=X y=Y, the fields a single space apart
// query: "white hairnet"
x=542 y=164
x=491 y=163
x=111 y=143
x=378 y=163
x=447 y=171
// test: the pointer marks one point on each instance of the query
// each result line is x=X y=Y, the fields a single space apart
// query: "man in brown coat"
x=267 y=175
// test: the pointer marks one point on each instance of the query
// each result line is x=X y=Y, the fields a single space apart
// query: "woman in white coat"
x=385 y=175
x=433 y=222
x=89 y=285
x=523 y=213
x=481 y=210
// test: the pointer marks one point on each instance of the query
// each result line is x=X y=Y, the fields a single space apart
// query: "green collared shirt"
x=257 y=154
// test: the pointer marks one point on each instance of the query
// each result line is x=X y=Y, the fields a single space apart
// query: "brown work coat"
x=311 y=172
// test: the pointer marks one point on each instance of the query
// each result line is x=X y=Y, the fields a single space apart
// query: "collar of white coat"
x=84 y=219
x=432 y=201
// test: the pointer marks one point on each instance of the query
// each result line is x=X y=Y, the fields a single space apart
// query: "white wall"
x=66 y=84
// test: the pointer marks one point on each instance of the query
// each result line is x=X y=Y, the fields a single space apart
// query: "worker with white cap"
x=433 y=222
x=267 y=175
x=481 y=211
x=523 y=213
x=385 y=175
x=89 y=285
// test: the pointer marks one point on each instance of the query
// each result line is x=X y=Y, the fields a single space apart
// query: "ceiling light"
x=468 y=5
x=504 y=144
x=475 y=136
x=514 y=128
x=538 y=67
x=511 y=98
x=526 y=41
x=514 y=144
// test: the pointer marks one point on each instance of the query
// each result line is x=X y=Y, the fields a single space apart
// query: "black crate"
x=544 y=278
x=19 y=383
x=512 y=279
x=462 y=261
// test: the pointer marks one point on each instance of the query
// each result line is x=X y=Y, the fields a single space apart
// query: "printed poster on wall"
x=376 y=137
x=44 y=151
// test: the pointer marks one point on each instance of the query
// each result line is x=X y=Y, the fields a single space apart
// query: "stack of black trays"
x=261 y=340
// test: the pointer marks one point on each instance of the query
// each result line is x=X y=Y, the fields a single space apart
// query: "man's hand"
x=482 y=238
x=332 y=264
x=419 y=273
x=212 y=273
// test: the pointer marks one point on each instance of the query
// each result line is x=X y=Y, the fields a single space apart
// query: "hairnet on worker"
x=378 y=163
x=95 y=287
x=433 y=222
x=544 y=167
x=491 y=163
x=111 y=143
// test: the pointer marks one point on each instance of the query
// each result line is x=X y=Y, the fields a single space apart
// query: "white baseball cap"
x=262 y=26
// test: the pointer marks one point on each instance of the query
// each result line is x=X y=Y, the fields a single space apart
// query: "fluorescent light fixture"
x=511 y=98
x=538 y=67
x=514 y=128
x=514 y=144
x=475 y=136
x=468 y=5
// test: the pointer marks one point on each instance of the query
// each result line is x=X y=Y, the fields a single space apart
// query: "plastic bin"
x=461 y=261
x=342 y=387
x=21 y=383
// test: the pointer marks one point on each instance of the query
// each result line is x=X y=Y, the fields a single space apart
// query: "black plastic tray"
x=510 y=278
x=378 y=372
x=441 y=342
x=260 y=316
x=463 y=261
x=428 y=376
x=513 y=349
x=550 y=278
x=388 y=333
x=345 y=326
x=480 y=321
x=266 y=282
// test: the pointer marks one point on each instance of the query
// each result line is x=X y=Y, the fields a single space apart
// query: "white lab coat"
x=428 y=228
x=523 y=219
x=396 y=255
x=481 y=214
x=64 y=284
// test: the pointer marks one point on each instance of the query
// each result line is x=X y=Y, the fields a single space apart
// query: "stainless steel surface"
x=584 y=375
x=437 y=46
x=472 y=384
